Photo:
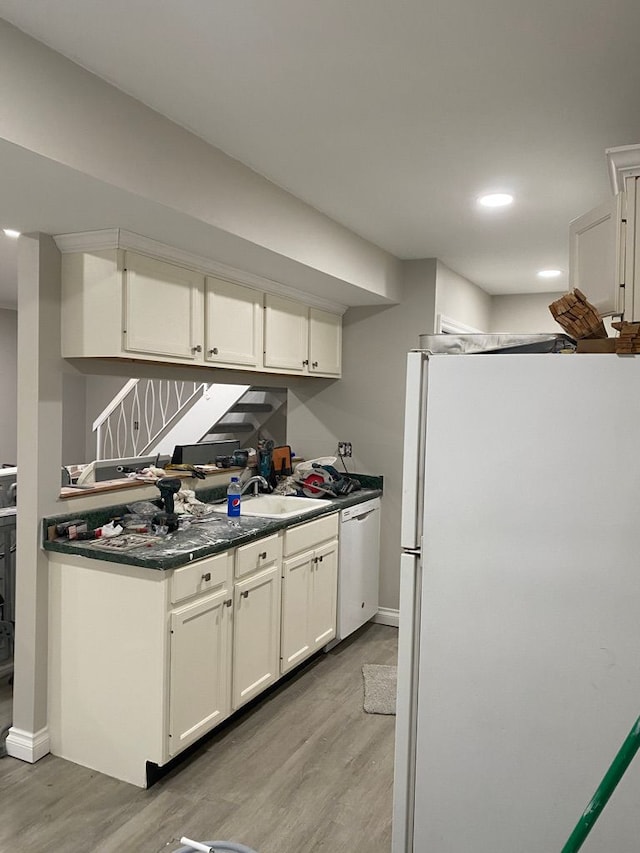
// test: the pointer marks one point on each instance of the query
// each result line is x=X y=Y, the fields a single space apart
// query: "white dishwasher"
x=358 y=566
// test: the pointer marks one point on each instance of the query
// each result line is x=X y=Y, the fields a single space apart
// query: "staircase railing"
x=139 y=413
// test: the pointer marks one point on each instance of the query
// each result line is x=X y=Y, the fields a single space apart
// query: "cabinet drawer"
x=308 y=535
x=257 y=555
x=200 y=577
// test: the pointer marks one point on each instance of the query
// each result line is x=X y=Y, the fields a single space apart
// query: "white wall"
x=461 y=300
x=56 y=109
x=366 y=407
x=527 y=312
x=8 y=385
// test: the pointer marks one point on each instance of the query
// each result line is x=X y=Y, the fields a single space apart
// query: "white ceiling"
x=391 y=116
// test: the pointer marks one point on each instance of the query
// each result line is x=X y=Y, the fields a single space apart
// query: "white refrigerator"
x=519 y=642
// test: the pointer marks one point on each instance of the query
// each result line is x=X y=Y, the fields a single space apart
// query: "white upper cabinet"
x=595 y=265
x=301 y=339
x=325 y=342
x=631 y=247
x=233 y=318
x=162 y=309
x=285 y=334
x=123 y=303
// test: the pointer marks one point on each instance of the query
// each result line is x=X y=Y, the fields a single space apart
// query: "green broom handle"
x=608 y=785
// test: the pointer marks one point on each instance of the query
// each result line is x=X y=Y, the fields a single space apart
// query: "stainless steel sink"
x=275 y=506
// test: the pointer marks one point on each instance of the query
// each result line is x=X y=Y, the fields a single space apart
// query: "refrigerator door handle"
x=413 y=458
x=407 y=699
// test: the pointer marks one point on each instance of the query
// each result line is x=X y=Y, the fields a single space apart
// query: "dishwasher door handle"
x=363 y=516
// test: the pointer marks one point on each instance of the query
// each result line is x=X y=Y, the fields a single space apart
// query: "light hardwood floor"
x=305 y=770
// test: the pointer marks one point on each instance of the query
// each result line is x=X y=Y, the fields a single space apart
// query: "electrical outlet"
x=345 y=448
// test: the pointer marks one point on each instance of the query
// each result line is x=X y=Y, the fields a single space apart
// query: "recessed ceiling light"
x=11 y=233
x=495 y=200
x=549 y=273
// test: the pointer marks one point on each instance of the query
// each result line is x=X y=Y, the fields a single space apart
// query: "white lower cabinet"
x=324 y=587
x=200 y=668
x=296 y=610
x=144 y=663
x=256 y=634
x=309 y=589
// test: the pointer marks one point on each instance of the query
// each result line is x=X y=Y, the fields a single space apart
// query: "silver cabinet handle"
x=245 y=594
x=213 y=351
x=196 y=348
x=206 y=577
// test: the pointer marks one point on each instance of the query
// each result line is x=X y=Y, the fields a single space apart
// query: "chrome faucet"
x=255 y=481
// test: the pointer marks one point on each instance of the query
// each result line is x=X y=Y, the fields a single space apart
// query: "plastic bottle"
x=233 y=498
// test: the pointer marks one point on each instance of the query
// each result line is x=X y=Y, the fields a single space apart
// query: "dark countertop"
x=202 y=539
x=8 y=516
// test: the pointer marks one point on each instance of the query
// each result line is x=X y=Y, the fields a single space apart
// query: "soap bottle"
x=233 y=498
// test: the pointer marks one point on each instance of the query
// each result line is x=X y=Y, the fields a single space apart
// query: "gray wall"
x=100 y=390
x=73 y=399
x=461 y=300
x=63 y=112
x=366 y=406
x=8 y=385
x=527 y=312
x=73 y=417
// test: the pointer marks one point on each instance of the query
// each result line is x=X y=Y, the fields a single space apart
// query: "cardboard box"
x=597 y=345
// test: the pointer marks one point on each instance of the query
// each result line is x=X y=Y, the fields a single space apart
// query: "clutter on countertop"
x=124 y=543
x=195 y=538
x=108 y=531
x=186 y=503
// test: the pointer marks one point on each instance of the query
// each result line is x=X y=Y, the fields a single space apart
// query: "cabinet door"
x=200 y=669
x=596 y=243
x=285 y=334
x=256 y=635
x=233 y=324
x=631 y=230
x=325 y=342
x=324 y=594
x=162 y=309
x=296 y=610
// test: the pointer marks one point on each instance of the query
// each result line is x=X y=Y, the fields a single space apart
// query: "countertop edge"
x=193 y=555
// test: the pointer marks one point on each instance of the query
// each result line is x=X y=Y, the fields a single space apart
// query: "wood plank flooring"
x=304 y=770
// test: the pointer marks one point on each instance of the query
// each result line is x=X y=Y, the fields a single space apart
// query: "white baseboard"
x=28 y=746
x=387 y=616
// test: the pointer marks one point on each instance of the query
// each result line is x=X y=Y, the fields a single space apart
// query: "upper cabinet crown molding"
x=623 y=162
x=119 y=238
